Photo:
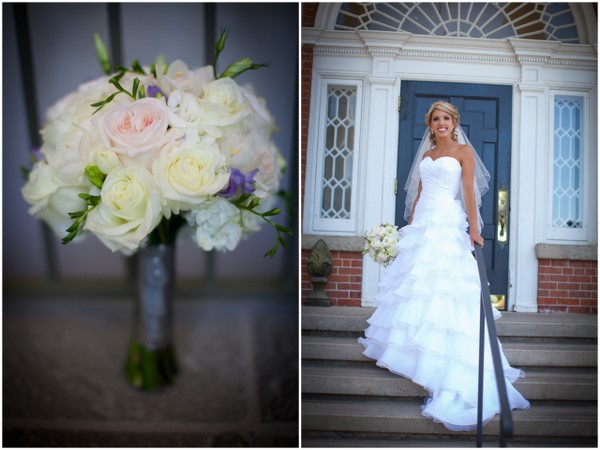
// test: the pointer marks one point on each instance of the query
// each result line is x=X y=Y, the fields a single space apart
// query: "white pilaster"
x=530 y=151
x=380 y=158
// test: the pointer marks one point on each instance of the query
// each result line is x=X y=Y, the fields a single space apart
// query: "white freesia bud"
x=129 y=209
x=105 y=160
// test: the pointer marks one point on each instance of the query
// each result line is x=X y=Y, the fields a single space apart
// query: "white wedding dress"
x=426 y=325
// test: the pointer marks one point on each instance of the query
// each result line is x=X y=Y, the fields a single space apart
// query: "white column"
x=523 y=210
x=378 y=163
x=528 y=175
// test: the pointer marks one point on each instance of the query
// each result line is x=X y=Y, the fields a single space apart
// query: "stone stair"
x=349 y=402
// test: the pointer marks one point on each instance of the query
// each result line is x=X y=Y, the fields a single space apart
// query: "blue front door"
x=486 y=119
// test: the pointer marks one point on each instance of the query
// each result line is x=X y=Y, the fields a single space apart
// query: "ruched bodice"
x=440 y=185
x=426 y=325
x=440 y=177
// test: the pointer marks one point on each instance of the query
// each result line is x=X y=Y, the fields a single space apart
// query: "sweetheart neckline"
x=440 y=157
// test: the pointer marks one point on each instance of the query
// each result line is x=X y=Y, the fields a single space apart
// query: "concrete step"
x=403 y=418
x=377 y=440
x=519 y=354
x=539 y=384
x=511 y=324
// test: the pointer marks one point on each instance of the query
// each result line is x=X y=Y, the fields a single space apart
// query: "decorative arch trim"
x=583 y=20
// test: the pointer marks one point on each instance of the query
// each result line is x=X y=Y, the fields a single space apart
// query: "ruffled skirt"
x=426 y=324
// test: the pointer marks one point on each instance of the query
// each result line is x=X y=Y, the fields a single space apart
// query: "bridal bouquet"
x=134 y=155
x=381 y=242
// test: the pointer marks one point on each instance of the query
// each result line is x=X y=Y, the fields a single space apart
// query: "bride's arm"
x=468 y=175
x=415 y=204
x=425 y=155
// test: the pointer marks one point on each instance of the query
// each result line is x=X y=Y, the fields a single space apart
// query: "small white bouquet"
x=381 y=242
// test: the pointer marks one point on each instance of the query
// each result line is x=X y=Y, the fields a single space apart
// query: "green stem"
x=166 y=231
x=150 y=369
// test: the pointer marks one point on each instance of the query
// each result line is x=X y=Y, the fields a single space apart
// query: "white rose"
x=129 y=209
x=62 y=150
x=134 y=128
x=259 y=105
x=184 y=109
x=51 y=201
x=40 y=185
x=223 y=103
x=178 y=76
x=217 y=224
x=188 y=174
x=269 y=173
x=244 y=150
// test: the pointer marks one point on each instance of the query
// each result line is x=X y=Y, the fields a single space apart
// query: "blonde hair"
x=448 y=108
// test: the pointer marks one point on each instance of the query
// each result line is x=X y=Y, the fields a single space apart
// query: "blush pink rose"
x=134 y=128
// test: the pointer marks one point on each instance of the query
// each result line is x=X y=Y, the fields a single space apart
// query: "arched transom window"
x=542 y=21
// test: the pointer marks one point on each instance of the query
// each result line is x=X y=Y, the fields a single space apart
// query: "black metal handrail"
x=487 y=317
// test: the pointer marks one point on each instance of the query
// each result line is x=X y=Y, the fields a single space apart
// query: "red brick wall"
x=309 y=13
x=307 y=65
x=345 y=282
x=568 y=286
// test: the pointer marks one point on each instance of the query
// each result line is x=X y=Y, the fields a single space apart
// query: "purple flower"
x=238 y=182
x=36 y=152
x=153 y=91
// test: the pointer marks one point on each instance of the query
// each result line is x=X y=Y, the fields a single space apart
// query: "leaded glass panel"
x=336 y=184
x=567 y=187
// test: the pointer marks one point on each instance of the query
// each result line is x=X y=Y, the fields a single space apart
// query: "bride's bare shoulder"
x=465 y=151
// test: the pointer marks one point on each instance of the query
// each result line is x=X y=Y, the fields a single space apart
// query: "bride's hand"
x=476 y=238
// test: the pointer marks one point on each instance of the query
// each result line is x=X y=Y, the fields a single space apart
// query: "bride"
x=426 y=325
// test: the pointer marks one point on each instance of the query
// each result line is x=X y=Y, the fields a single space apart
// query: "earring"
x=454 y=135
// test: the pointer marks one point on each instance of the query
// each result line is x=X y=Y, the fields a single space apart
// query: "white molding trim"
x=583 y=13
x=406 y=45
x=327 y=14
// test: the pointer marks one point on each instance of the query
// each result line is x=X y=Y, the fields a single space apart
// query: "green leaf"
x=76 y=215
x=79 y=216
x=273 y=212
x=91 y=200
x=136 y=85
x=25 y=171
x=240 y=66
x=254 y=203
x=95 y=176
x=137 y=68
x=102 y=54
x=115 y=82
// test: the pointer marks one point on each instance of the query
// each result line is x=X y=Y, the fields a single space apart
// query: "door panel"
x=486 y=119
